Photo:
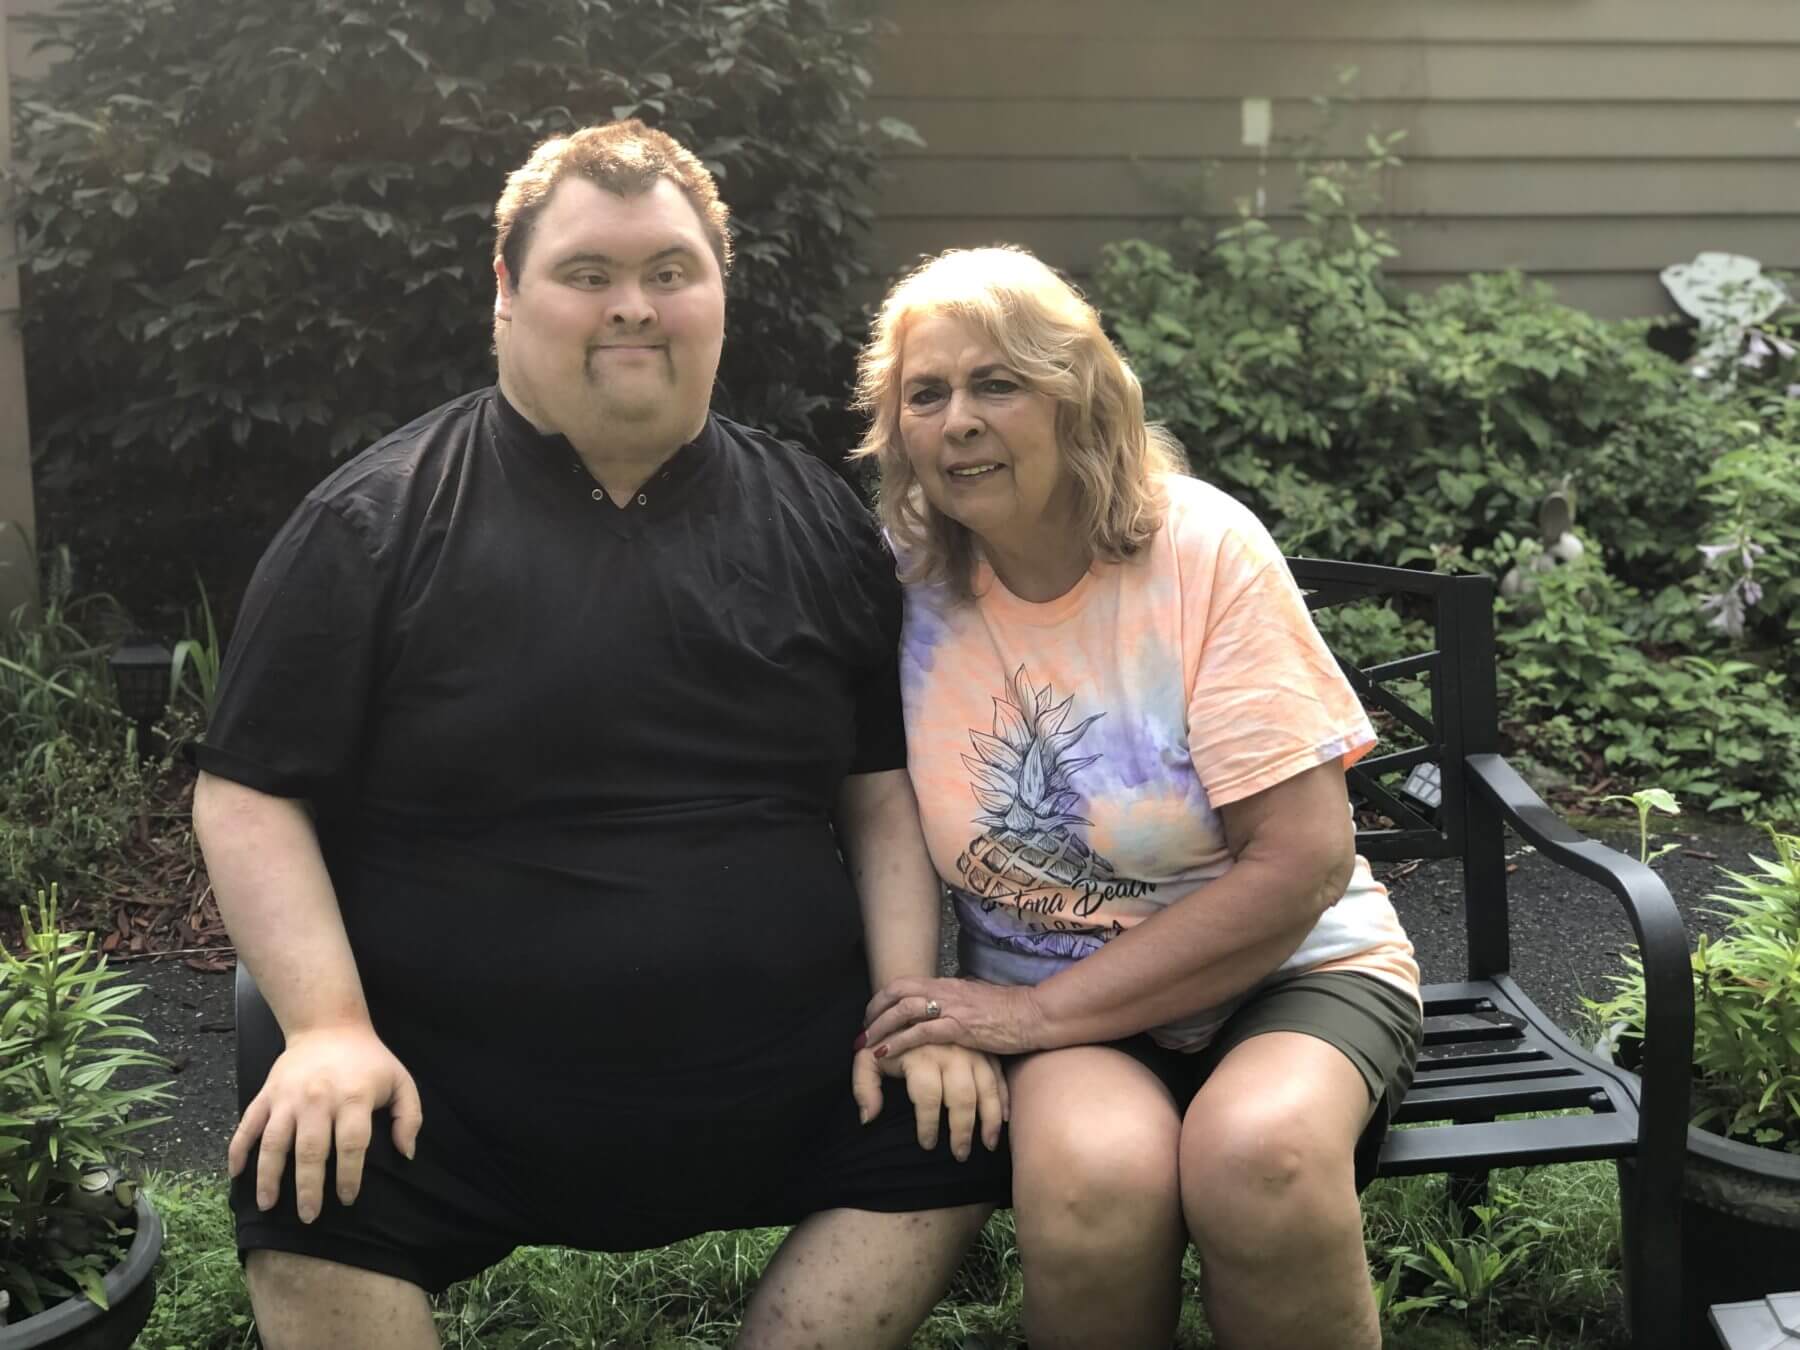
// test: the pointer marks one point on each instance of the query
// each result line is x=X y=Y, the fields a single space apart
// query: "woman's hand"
x=944 y=1082
x=998 y=1018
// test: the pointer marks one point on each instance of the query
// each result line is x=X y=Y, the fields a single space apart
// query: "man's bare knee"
x=303 y=1302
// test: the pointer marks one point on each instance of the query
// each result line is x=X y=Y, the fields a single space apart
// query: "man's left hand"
x=965 y=1087
x=998 y=1018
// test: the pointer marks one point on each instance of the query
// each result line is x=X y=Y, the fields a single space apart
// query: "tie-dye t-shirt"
x=1070 y=757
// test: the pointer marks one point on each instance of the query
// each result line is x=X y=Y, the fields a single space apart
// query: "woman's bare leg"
x=1268 y=1188
x=1094 y=1139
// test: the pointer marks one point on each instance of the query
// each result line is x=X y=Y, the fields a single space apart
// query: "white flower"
x=1729 y=615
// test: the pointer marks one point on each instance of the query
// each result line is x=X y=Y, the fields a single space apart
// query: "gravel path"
x=1567 y=935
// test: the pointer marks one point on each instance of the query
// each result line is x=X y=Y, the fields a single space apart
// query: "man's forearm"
x=262 y=856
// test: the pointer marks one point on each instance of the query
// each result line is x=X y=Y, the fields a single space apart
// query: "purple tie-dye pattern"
x=1129 y=757
x=922 y=631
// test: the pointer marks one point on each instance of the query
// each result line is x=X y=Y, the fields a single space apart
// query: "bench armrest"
x=1667 y=1068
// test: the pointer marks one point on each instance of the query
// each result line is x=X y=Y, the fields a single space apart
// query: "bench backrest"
x=1453 y=712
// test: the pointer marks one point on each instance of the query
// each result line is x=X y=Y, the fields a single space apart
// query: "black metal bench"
x=1489 y=1051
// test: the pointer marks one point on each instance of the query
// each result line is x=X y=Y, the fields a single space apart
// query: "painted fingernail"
x=862 y=1039
x=881 y=1052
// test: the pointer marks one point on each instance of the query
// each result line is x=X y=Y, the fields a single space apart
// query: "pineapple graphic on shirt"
x=1022 y=772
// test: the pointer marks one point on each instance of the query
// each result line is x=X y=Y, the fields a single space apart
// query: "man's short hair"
x=623 y=157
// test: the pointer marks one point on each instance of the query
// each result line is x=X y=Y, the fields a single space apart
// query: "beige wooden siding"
x=1590 y=142
x=24 y=57
x=18 y=520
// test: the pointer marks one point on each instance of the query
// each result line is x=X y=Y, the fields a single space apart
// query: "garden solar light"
x=141 y=669
x=1425 y=785
x=1771 y=1323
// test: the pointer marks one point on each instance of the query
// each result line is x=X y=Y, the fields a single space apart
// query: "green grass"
x=1559 y=1292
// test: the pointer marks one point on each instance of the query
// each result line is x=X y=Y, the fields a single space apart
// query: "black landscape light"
x=141 y=668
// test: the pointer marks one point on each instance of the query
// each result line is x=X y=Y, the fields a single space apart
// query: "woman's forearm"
x=1197 y=954
x=896 y=888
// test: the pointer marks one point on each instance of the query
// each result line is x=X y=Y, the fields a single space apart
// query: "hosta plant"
x=64 y=1121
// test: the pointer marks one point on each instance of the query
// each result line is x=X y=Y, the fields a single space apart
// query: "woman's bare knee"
x=303 y=1302
x=1094 y=1139
x=1259 y=1166
x=1096 y=1199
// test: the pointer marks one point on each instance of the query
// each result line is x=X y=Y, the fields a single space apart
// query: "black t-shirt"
x=573 y=764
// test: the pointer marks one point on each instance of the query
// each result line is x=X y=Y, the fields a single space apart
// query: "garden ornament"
x=1556 y=535
x=1729 y=295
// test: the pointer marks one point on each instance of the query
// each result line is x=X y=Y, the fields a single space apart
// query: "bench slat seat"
x=1507 y=1143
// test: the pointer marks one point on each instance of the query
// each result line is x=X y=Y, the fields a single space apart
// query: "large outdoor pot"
x=77 y=1324
x=1740 y=1226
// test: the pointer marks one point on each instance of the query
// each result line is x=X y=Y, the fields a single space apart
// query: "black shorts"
x=1377 y=1026
x=632 y=1181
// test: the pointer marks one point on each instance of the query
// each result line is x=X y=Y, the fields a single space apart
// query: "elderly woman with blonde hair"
x=1128 y=743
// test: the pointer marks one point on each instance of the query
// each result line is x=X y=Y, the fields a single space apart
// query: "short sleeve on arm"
x=1267 y=700
x=295 y=688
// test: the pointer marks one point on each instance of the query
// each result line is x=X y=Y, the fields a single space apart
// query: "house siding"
x=18 y=524
x=1589 y=142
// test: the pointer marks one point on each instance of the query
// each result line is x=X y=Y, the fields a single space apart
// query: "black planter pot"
x=77 y=1324
x=1740 y=1226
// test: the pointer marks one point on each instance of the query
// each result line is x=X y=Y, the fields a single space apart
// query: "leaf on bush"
x=896 y=129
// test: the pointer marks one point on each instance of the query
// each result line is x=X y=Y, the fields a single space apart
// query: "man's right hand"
x=320 y=1094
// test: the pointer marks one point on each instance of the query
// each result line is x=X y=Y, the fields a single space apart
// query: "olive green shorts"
x=1376 y=1025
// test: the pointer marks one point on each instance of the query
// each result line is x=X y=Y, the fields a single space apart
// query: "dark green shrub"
x=1584 y=682
x=1749 y=583
x=72 y=785
x=1368 y=423
x=1401 y=428
x=258 y=234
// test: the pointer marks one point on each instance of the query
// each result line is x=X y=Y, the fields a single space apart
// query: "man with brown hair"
x=556 y=798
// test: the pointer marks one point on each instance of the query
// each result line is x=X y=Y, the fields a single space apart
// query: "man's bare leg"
x=849 y=1279
x=305 y=1303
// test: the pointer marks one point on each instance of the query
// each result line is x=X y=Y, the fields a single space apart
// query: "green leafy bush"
x=73 y=785
x=1746 y=1006
x=1750 y=581
x=1584 y=680
x=258 y=234
x=66 y=809
x=63 y=1122
x=1371 y=424
x=1410 y=429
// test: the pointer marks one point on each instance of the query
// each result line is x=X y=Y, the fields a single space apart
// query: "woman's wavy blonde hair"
x=1051 y=337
